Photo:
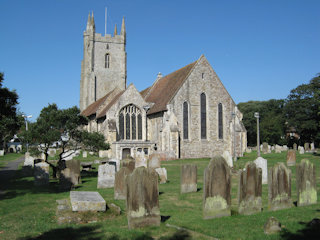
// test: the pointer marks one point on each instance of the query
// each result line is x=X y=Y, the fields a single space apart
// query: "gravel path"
x=7 y=172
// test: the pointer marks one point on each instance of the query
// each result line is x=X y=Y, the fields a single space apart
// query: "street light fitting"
x=256 y=115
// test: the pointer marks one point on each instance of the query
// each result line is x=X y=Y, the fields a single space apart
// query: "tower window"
x=107 y=46
x=130 y=126
x=185 y=121
x=203 y=116
x=220 y=120
x=202 y=76
x=107 y=61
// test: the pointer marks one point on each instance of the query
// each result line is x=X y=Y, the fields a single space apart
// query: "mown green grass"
x=4 y=160
x=28 y=212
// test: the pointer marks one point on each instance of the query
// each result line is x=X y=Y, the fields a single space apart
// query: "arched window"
x=107 y=61
x=185 y=121
x=203 y=116
x=220 y=120
x=129 y=116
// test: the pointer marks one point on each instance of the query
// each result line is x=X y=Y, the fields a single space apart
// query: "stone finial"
x=115 y=31
x=123 y=28
x=159 y=75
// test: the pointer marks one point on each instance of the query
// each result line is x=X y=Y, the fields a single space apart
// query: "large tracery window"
x=130 y=123
x=203 y=116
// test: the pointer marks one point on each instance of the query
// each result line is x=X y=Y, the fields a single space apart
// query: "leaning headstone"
x=120 y=190
x=307 y=147
x=188 y=178
x=84 y=154
x=250 y=189
x=154 y=161
x=162 y=172
x=306 y=183
x=217 y=189
x=291 y=157
x=70 y=174
x=141 y=160
x=87 y=201
x=279 y=183
x=143 y=198
x=227 y=156
x=41 y=174
x=128 y=162
x=265 y=147
x=106 y=175
x=263 y=164
x=295 y=146
x=272 y=226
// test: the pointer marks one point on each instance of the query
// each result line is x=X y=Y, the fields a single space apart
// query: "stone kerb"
x=250 y=189
x=120 y=183
x=263 y=164
x=87 y=201
x=306 y=183
x=279 y=187
x=142 y=198
x=291 y=157
x=188 y=178
x=106 y=176
x=217 y=189
x=41 y=174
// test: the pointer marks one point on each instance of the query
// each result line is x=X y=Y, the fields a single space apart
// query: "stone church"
x=185 y=114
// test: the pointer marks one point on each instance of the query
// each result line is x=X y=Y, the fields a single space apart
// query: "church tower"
x=104 y=63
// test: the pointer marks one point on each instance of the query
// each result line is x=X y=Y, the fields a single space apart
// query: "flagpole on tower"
x=105 y=22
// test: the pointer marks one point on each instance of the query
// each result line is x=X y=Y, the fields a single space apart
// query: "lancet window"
x=220 y=120
x=203 y=116
x=107 y=61
x=185 y=120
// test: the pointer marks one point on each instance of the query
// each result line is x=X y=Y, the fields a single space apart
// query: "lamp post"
x=234 y=136
x=257 y=116
x=26 y=121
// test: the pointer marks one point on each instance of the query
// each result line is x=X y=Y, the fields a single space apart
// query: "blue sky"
x=260 y=49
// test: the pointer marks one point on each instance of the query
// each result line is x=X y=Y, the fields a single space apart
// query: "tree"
x=302 y=110
x=10 y=121
x=94 y=141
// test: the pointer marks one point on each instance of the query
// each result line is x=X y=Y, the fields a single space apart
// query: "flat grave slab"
x=87 y=201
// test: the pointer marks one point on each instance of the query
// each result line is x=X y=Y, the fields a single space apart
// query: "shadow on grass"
x=310 y=231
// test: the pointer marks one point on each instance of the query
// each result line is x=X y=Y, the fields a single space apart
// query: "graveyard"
x=32 y=212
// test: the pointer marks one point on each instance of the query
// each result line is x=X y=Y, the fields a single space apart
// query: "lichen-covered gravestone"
x=265 y=147
x=307 y=147
x=188 y=178
x=120 y=183
x=217 y=189
x=279 y=184
x=263 y=164
x=291 y=157
x=106 y=176
x=142 y=198
x=250 y=189
x=41 y=174
x=306 y=183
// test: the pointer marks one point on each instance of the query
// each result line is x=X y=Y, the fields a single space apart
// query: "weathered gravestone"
x=278 y=149
x=295 y=146
x=106 y=176
x=250 y=189
x=28 y=160
x=120 y=183
x=301 y=150
x=188 y=178
x=291 y=157
x=279 y=185
x=307 y=147
x=217 y=189
x=312 y=147
x=87 y=201
x=41 y=174
x=265 y=147
x=115 y=162
x=84 y=154
x=141 y=160
x=306 y=183
x=263 y=164
x=272 y=226
x=142 y=198
x=162 y=172
x=70 y=174
x=128 y=162
x=154 y=161
x=227 y=156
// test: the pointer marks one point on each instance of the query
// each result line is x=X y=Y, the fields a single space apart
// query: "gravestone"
x=162 y=172
x=312 y=147
x=217 y=189
x=154 y=161
x=87 y=201
x=106 y=176
x=291 y=157
x=84 y=154
x=115 y=162
x=248 y=150
x=272 y=226
x=70 y=174
x=188 y=178
x=142 y=198
x=265 y=147
x=301 y=150
x=307 y=147
x=128 y=162
x=227 y=156
x=41 y=174
x=306 y=183
x=250 y=189
x=295 y=146
x=1 y=153
x=278 y=149
x=120 y=183
x=28 y=160
x=141 y=160
x=263 y=164
x=279 y=184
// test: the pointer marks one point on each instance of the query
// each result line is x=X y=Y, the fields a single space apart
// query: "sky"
x=260 y=49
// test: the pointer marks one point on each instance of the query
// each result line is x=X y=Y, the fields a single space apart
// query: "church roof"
x=113 y=101
x=93 y=107
x=165 y=88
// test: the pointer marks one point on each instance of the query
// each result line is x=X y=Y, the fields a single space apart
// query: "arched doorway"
x=126 y=152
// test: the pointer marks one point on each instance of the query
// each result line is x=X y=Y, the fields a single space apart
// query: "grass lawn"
x=28 y=212
x=4 y=160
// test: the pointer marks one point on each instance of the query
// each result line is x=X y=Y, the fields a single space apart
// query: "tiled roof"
x=164 y=89
x=104 y=111
x=93 y=107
